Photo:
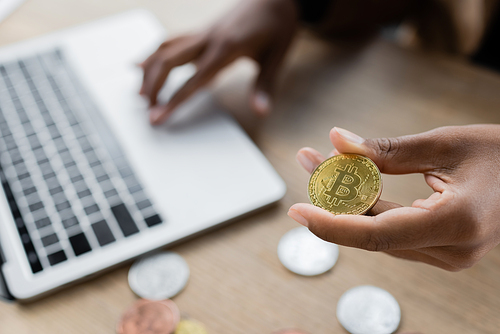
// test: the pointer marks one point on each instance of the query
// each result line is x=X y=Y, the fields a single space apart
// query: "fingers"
x=401 y=155
x=270 y=65
x=169 y=55
x=400 y=228
x=415 y=255
x=460 y=257
x=309 y=158
x=213 y=59
x=382 y=206
x=410 y=240
x=153 y=57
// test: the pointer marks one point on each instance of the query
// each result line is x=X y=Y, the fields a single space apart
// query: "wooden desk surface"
x=237 y=283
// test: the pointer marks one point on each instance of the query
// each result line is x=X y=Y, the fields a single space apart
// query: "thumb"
x=398 y=155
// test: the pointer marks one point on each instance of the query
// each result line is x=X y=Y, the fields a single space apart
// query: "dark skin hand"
x=259 y=29
x=453 y=228
x=264 y=29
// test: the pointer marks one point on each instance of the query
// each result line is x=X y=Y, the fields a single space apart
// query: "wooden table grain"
x=237 y=283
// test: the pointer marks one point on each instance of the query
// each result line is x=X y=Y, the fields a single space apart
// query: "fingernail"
x=262 y=102
x=295 y=215
x=305 y=162
x=349 y=136
x=155 y=114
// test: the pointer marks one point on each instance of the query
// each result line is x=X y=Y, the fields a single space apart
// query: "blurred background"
x=380 y=69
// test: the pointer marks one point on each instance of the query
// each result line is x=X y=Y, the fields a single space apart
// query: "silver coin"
x=158 y=276
x=368 y=310
x=305 y=254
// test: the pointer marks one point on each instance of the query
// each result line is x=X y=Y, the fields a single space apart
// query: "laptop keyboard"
x=69 y=186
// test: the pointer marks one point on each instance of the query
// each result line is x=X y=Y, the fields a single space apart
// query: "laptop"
x=87 y=182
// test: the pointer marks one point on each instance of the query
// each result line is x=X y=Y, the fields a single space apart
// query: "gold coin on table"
x=345 y=184
x=190 y=327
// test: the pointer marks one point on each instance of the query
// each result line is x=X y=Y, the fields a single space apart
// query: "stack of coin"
x=156 y=278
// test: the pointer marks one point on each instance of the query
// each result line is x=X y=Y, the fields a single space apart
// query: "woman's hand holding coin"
x=453 y=228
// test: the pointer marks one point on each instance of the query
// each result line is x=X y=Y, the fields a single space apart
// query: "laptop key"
x=56 y=190
x=84 y=193
x=80 y=244
x=49 y=175
x=153 y=220
x=102 y=178
x=91 y=209
x=124 y=219
x=70 y=163
x=99 y=170
x=62 y=206
x=103 y=233
x=40 y=223
x=69 y=222
x=22 y=176
x=33 y=198
x=36 y=206
x=110 y=193
x=125 y=171
x=29 y=191
x=96 y=163
x=73 y=171
x=59 y=198
x=57 y=257
x=50 y=239
x=77 y=178
x=135 y=188
x=144 y=204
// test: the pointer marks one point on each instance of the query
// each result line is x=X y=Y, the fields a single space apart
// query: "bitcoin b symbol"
x=344 y=187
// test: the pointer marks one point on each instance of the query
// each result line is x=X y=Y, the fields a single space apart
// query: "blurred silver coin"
x=158 y=276
x=305 y=254
x=368 y=310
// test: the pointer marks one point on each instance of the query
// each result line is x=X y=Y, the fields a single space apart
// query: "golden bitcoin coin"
x=190 y=327
x=345 y=184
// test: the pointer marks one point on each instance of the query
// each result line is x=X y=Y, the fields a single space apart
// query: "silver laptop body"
x=87 y=183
